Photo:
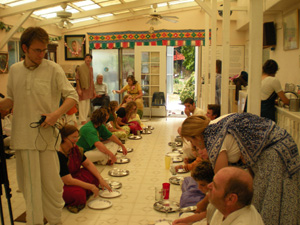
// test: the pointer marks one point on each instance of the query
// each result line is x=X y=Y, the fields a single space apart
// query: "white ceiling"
x=93 y=12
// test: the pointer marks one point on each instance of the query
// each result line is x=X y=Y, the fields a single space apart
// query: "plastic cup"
x=168 y=161
x=166 y=190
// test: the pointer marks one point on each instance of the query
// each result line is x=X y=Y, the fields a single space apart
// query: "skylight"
x=180 y=2
x=90 y=7
x=19 y=2
x=84 y=3
x=82 y=20
x=105 y=15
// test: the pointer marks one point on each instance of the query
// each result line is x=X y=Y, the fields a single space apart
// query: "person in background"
x=213 y=111
x=98 y=143
x=189 y=154
x=135 y=90
x=85 y=88
x=102 y=98
x=125 y=114
x=112 y=124
x=270 y=90
x=267 y=150
x=80 y=176
x=6 y=120
x=218 y=81
x=231 y=193
x=202 y=175
x=35 y=87
x=191 y=109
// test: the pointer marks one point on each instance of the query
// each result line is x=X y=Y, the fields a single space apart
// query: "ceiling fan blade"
x=170 y=20
x=153 y=21
x=171 y=17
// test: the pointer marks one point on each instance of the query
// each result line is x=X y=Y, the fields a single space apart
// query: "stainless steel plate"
x=182 y=170
x=175 y=144
x=166 y=206
x=173 y=154
x=118 y=172
x=113 y=184
x=99 y=204
x=148 y=132
x=122 y=161
x=188 y=209
x=135 y=137
x=120 y=150
x=176 y=180
x=108 y=194
x=177 y=159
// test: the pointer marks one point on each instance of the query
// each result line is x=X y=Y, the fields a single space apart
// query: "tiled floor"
x=135 y=205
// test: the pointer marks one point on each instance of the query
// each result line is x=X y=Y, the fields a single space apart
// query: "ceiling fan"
x=64 y=15
x=155 y=17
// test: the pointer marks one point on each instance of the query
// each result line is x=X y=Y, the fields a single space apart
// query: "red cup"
x=166 y=190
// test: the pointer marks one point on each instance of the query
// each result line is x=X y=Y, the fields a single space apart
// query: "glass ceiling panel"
x=20 y=2
x=180 y=2
x=84 y=3
x=90 y=7
x=82 y=20
x=110 y=3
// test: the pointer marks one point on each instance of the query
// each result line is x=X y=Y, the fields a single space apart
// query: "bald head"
x=240 y=182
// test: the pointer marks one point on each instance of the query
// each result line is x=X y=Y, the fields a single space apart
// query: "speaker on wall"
x=269 y=38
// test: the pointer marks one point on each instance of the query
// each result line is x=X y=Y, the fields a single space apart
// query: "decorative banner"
x=128 y=39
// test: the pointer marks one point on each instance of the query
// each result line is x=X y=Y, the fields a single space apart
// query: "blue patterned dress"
x=272 y=155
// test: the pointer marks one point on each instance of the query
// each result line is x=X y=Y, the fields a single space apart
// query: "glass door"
x=150 y=69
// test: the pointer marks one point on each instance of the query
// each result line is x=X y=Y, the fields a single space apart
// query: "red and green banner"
x=128 y=39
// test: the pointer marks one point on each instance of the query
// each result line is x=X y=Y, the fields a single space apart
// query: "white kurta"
x=36 y=92
x=244 y=216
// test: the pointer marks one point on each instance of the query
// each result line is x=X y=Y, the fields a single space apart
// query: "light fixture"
x=65 y=24
x=151 y=30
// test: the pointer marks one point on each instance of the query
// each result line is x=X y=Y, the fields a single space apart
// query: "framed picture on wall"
x=3 y=63
x=291 y=30
x=74 y=47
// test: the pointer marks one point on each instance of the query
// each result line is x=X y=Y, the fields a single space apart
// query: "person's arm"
x=51 y=118
x=92 y=168
x=190 y=219
x=78 y=87
x=6 y=103
x=120 y=91
x=138 y=96
x=283 y=98
x=202 y=205
x=102 y=148
x=221 y=162
x=119 y=121
x=118 y=142
x=69 y=180
x=187 y=112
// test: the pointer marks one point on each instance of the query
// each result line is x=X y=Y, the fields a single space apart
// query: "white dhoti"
x=39 y=181
x=97 y=156
x=84 y=109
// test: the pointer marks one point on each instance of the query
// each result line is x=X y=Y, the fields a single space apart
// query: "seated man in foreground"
x=231 y=193
x=99 y=144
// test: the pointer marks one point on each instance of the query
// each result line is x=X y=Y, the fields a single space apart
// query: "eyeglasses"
x=39 y=51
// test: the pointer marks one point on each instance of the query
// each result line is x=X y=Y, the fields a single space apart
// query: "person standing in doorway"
x=85 y=88
x=218 y=81
x=35 y=87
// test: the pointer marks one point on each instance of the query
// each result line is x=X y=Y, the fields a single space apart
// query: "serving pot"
x=294 y=105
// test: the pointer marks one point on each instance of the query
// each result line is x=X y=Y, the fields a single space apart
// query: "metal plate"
x=148 y=132
x=173 y=154
x=99 y=204
x=188 y=209
x=108 y=194
x=118 y=172
x=113 y=184
x=122 y=161
x=166 y=206
x=175 y=144
x=182 y=170
x=120 y=150
x=177 y=159
x=135 y=137
x=176 y=180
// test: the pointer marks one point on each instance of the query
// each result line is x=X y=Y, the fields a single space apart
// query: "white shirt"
x=101 y=89
x=268 y=86
x=244 y=216
x=198 y=112
x=36 y=92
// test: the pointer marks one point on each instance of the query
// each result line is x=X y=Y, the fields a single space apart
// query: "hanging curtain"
x=128 y=39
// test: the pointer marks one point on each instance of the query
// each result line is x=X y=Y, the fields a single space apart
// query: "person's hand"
x=178 y=222
x=103 y=184
x=187 y=112
x=95 y=190
x=50 y=120
x=186 y=160
x=113 y=159
x=79 y=91
x=124 y=150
